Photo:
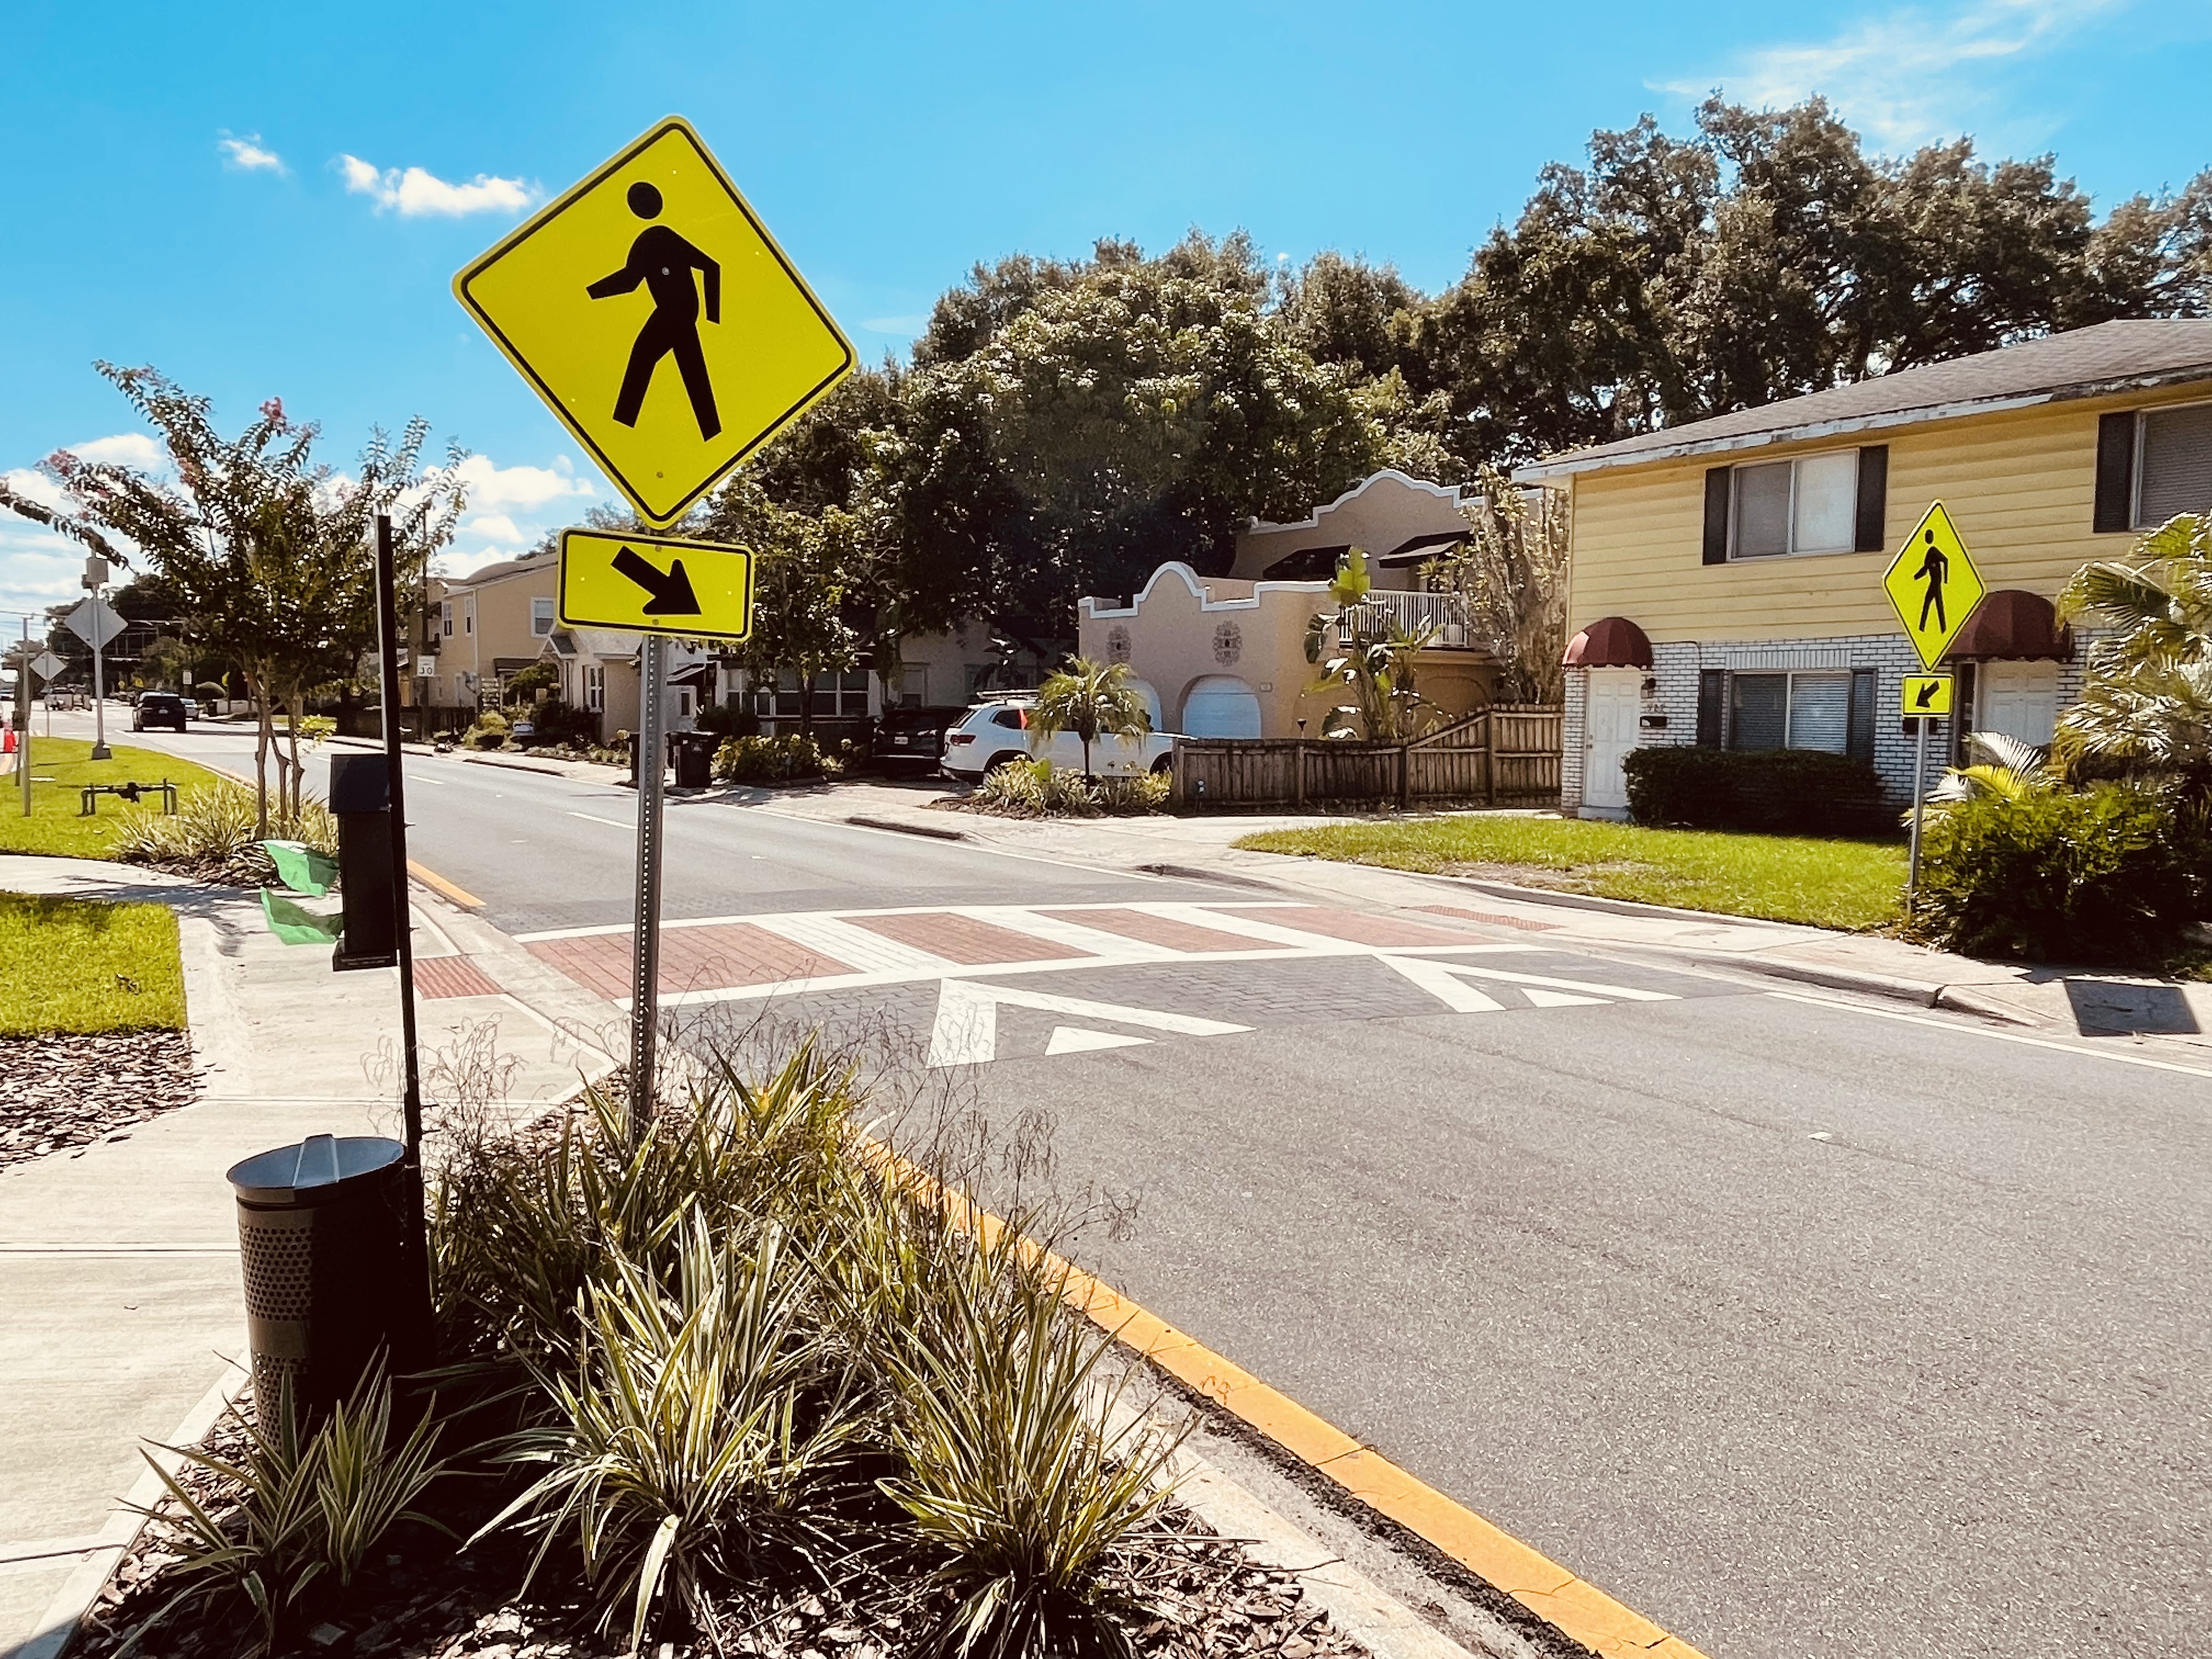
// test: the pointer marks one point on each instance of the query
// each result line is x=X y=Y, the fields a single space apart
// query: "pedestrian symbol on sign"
x=1934 y=570
x=664 y=262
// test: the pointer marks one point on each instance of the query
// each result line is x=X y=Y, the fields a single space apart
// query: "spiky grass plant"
x=214 y=832
x=297 y=1508
x=1008 y=1472
x=697 y=1429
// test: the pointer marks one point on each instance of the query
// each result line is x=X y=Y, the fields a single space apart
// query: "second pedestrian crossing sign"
x=1933 y=586
x=657 y=317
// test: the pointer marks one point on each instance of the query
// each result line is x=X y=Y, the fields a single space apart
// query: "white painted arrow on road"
x=967 y=1029
x=1445 y=980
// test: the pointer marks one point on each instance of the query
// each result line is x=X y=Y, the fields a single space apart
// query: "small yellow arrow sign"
x=655 y=585
x=1927 y=696
x=1932 y=585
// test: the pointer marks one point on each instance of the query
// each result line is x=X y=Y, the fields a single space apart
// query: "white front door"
x=2020 y=699
x=1609 y=732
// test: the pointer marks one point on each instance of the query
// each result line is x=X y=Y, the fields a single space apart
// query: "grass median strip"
x=79 y=967
x=60 y=768
x=1855 y=886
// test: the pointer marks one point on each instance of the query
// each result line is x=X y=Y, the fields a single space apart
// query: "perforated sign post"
x=651 y=309
x=1934 y=588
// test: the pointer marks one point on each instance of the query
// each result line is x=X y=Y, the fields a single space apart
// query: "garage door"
x=1220 y=705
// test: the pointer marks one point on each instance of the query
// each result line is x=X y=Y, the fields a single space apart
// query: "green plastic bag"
x=301 y=868
x=297 y=926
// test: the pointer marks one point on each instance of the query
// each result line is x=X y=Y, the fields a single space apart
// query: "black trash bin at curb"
x=695 y=758
x=329 y=1245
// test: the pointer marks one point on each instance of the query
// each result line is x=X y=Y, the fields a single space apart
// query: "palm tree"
x=1092 y=700
x=2146 y=699
x=1373 y=665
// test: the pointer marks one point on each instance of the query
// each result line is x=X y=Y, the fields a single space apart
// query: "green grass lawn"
x=76 y=966
x=1851 y=885
x=60 y=767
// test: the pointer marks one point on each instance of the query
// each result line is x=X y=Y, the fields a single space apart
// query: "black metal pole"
x=387 y=667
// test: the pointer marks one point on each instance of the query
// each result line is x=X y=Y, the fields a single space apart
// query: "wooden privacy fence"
x=1506 y=756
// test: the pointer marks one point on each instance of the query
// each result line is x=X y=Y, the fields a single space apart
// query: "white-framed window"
x=541 y=618
x=446 y=617
x=2173 y=463
x=914 y=686
x=836 y=695
x=469 y=623
x=1790 y=711
x=595 y=688
x=1808 y=505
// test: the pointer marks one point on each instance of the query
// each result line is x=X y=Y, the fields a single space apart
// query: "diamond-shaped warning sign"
x=659 y=319
x=1932 y=585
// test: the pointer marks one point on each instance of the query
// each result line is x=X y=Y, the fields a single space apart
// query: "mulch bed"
x=426 y=1599
x=60 y=1093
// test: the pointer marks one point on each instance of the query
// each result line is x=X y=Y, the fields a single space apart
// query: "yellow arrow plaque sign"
x=1933 y=586
x=655 y=585
x=1927 y=696
x=656 y=316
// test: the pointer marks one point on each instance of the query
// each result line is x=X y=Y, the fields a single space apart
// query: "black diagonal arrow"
x=1926 y=692
x=672 y=591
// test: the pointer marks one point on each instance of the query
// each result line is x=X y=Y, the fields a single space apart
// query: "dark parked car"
x=911 y=741
x=159 y=708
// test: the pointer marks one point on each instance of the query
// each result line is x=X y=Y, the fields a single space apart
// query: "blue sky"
x=264 y=199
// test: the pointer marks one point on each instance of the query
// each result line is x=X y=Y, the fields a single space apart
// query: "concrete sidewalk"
x=2054 y=999
x=121 y=1312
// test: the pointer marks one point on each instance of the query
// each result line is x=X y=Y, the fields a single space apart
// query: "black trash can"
x=329 y=1242
x=695 y=758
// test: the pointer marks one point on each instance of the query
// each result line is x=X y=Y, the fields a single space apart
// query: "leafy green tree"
x=1512 y=572
x=801 y=587
x=1091 y=699
x=267 y=550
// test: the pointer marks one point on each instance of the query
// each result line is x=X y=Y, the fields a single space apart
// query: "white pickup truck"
x=992 y=734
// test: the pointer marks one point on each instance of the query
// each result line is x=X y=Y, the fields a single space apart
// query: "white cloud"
x=415 y=192
x=123 y=449
x=494 y=488
x=494 y=528
x=35 y=485
x=1906 y=76
x=248 y=154
x=451 y=563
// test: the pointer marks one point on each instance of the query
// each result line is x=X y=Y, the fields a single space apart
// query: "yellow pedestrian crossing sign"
x=655 y=585
x=1932 y=585
x=656 y=316
x=1927 y=696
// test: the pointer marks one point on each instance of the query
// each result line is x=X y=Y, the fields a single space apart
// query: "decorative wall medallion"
x=1117 y=644
x=1228 y=643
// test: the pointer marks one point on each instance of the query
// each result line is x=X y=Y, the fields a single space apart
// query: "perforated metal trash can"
x=328 y=1242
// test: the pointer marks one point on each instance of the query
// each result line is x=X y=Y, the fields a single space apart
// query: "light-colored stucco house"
x=1725 y=582
x=484 y=628
x=1224 y=656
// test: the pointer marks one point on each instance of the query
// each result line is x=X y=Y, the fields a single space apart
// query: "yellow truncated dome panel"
x=658 y=318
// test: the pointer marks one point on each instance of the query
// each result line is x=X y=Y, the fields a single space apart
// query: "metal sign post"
x=1919 y=796
x=96 y=573
x=645 y=938
x=387 y=680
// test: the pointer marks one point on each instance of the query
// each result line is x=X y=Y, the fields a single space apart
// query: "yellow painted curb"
x=438 y=885
x=1569 y=1604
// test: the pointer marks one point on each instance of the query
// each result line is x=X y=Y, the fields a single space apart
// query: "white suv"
x=992 y=734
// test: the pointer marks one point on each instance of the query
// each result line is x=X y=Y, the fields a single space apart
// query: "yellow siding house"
x=1726 y=575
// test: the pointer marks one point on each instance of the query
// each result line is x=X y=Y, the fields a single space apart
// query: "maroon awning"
x=2012 y=625
x=1609 y=642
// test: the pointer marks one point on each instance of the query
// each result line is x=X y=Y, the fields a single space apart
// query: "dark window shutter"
x=1858 y=733
x=1962 y=711
x=2116 y=473
x=1712 y=706
x=1716 y=514
x=1874 y=497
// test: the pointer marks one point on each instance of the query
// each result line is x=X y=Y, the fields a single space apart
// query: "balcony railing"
x=1415 y=613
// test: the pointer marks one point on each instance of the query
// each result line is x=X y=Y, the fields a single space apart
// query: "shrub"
x=2110 y=873
x=489 y=730
x=728 y=719
x=787 y=759
x=299 y=1511
x=1038 y=789
x=554 y=722
x=1799 y=792
x=214 y=834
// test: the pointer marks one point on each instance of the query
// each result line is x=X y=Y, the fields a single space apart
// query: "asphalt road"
x=1805 y=1328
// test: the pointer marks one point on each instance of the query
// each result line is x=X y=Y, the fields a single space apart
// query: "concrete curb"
x=1921 y=993
x=862 y=820
x=65 y=1614
x=1506 y=889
